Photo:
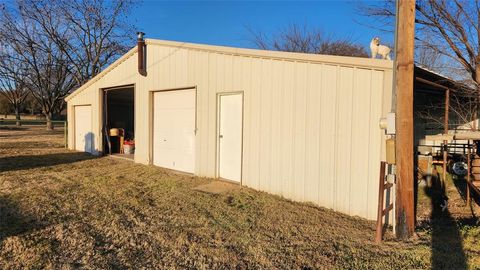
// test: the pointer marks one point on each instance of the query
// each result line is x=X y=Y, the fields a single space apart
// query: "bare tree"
x=90 y=33
x=31 y=106
x=11 y=86
x=61 y=44
x=45 y=70
x=296 y=38
x=451 y=30
x=5 y=107
x=427 y=57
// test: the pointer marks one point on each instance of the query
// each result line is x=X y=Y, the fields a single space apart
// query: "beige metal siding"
x=122 y=74
x=310 y=122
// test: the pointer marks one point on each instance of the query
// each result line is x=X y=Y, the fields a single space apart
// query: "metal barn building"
x=302 y=126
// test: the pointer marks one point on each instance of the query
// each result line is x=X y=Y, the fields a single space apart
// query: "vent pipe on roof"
x=141 y=54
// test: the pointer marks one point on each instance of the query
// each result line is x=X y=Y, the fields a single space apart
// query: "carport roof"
x=429 y=80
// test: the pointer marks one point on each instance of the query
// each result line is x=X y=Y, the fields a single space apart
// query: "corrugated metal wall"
x=310 y=126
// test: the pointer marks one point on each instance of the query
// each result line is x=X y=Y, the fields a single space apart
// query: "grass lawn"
x=63 y=209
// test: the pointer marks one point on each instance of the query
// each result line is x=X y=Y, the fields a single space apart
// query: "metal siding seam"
x=292 y=176
x=259 y=125
x=281 y=128
x=339 y=138
x=272 y=119
x=205 y=62
x=288 y=143
x=212 y=97
x=270 y=123
x=368 y=148
x=304 y=127
x=309 y=66
x=206 y=115
x=250 y=122
x=335 y=152
x=259 y=122
x=351 y=142
x=276 y=150
x=322 y=96
x=319 y=80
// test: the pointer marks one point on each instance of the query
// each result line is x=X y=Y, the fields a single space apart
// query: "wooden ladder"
x=383 y=185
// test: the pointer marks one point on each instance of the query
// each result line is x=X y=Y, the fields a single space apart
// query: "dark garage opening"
x=119 y=120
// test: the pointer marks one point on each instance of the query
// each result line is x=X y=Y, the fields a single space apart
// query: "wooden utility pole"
x=405 y=216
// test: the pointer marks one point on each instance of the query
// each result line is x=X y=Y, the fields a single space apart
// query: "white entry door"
x=83 y=128
x=174 y=130
x=230 y=137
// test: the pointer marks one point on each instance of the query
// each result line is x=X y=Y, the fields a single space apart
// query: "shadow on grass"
x=461 y=186
x=447 y=245
x=15 y=163
x=12 y=220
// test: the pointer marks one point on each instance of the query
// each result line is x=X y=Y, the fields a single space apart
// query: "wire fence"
x=37 y=122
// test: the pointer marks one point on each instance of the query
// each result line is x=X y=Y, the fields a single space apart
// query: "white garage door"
x=174 y=130
x=83 y=129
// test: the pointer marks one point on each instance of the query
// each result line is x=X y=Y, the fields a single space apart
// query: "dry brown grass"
x=62 y=209
x=453 y=233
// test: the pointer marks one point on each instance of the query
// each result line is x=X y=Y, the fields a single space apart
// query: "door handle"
x=220 y=136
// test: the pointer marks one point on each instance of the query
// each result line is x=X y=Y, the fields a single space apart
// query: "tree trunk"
x=17 y=116
x=48 y=116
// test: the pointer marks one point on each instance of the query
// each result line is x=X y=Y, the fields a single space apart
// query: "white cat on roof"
x=378 y=49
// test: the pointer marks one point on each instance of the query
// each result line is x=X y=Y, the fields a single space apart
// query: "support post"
x=405 y=216
x=65 y=133
x=445 y=131
x=468 y=173
x=381 y=190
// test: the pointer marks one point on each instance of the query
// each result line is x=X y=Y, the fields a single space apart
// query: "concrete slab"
x=129 y=157
x=217 y=187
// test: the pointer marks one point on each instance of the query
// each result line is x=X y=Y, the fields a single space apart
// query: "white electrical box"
x=388 y=124
x=391 y=124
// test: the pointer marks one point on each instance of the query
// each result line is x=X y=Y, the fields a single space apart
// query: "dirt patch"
x=63 y=209
x=217 y=187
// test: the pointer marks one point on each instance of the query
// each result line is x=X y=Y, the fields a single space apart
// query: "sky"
x=227 y=22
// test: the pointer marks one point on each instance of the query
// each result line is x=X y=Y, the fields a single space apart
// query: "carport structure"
x=431 y=84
